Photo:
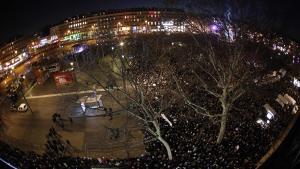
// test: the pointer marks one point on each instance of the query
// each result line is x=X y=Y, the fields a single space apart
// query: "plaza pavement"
x=90 y=136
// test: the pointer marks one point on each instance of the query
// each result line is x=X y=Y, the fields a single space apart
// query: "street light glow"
x=121 y=43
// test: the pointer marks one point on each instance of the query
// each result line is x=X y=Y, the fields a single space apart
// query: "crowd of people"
x=192 y=139
x=55 y=145
x=31 y=160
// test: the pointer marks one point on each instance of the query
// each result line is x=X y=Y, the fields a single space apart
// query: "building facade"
x=13 y=53
x=103 y=26
x=112 y=24
x=94 y=28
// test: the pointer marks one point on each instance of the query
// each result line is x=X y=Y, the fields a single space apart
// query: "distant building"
x=13 y=53
x=104 y=26
x=117 y=23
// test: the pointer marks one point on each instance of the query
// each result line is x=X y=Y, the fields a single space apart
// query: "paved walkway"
x=64 y=94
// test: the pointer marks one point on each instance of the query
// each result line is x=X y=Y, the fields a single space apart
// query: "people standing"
x=110 y=113
x=71 y=120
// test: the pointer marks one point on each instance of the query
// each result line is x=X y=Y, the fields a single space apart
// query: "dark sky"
x=19 y=17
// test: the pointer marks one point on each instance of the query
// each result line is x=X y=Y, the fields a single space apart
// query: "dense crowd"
x=192 y=140
x=31 y=160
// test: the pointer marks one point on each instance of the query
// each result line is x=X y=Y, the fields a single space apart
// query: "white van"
x=23 y=107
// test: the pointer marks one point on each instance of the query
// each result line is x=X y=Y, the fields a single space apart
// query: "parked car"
x=23 y=107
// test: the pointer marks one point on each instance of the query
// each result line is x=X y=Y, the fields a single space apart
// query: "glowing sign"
x=43 y=42
x=73 y=37
x=127 y=28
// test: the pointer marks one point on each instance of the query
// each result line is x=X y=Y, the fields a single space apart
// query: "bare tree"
x=217 y=66
x=146 y=96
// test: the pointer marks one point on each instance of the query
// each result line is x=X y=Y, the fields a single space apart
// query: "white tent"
x=280 y=102
x=282 y=99
x=270 y=111
x=290 y=99
x=295 y=109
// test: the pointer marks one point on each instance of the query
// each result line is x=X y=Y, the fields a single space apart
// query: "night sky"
x=19 y=17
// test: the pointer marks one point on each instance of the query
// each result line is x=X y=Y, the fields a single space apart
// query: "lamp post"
x=118 y=24
x=19 y=83
x=146 y=23
x=123 y=66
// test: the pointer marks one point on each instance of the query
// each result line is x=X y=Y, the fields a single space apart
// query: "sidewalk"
x=63 y=94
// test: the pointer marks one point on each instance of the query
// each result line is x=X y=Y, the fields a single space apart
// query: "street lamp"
x=118 y=24
x=18 y=81
x=72 y=64
x=123 y=66
x=146 y=25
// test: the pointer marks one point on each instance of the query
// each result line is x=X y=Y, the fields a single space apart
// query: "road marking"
x=63 y=94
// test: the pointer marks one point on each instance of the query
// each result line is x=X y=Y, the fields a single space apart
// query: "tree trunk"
x=163 y=141
x=223 y=122
x=167 y=146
